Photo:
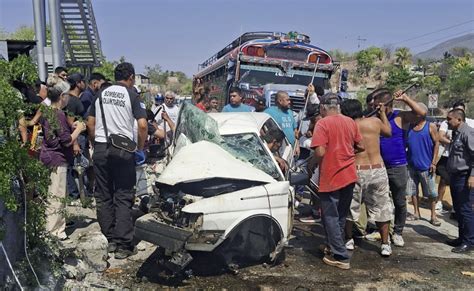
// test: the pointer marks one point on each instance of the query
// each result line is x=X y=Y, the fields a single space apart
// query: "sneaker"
x=350 y=245
x=386 y=250
x=439 y=206
x=398 y=240
x=122 y=253
x=374 y=236
x=309 y=219
x=331 y=261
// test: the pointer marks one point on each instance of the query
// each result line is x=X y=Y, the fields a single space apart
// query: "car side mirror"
x=297 y=179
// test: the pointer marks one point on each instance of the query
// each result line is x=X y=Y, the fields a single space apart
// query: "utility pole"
x=359 y=39
x=56 y=44
x=39 y=14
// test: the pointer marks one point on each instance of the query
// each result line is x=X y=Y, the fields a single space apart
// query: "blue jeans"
x=463 y=204
x=334 y=209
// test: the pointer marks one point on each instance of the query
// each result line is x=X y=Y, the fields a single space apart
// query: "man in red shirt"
x=336 y=139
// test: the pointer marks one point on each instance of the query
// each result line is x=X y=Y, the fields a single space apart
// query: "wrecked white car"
x=222 y=192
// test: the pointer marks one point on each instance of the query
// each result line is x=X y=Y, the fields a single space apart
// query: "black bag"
x=118 y=145
x=122 y=142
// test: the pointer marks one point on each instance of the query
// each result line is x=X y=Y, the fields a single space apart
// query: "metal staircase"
x=81 y=38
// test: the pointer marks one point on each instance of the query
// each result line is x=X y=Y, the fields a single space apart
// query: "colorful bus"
x=262 y=63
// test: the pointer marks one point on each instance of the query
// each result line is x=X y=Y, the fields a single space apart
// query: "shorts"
x=442 y=170
x=427 y=181
x=372 y=188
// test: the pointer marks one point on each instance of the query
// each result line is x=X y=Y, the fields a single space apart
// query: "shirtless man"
x=372 y=186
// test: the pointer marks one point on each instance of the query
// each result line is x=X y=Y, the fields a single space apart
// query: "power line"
x=442 y=38
x=433 y=32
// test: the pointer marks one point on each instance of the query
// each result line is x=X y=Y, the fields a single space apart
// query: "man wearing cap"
x=75 y=109
x=260 y=104
x=74 y=106
x=336 y=139
x=88 y=96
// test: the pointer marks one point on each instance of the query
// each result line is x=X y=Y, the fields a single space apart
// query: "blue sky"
x=179 y=34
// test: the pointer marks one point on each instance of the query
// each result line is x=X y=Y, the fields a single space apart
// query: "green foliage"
x=159 y=77
x=432 y=83
x=23 y=33
x=361 y=95
x=366 y=59
x=187 y=88
x=403 y=56
x=340 y=56
x=19 y=173
x=107 y=69
x=398 y=77
x=460 y=77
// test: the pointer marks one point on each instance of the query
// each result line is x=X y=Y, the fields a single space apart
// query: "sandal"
x=435 y=222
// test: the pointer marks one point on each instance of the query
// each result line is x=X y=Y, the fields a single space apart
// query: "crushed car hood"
x=205 y=160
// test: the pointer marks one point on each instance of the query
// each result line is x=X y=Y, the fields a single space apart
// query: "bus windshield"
x=258 y=76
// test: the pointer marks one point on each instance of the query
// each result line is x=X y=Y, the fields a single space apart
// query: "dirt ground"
x=424 y=263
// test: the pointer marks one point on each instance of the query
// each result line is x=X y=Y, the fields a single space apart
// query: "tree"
x=432 y=84
x=460 y=52
x=23 y=33
x=403 y=56
x=3 y=34
x=378 y=53
x=107 y=69
x=365 y=62
x=388 y=50
x=339 y=55
x=460 y=78
x=398 y=77
x=155 y=74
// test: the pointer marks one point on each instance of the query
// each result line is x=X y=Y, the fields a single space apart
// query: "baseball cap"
x=260 y=100
x=75 y=78
x=159 y=98
x=330 y=98
x=312 y=110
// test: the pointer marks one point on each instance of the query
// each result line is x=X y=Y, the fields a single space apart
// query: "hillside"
x=436 y=52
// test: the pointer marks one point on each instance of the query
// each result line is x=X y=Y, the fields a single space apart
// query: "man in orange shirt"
x=336 y=139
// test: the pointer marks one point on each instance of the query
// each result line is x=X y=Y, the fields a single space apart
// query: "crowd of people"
x=365 y=164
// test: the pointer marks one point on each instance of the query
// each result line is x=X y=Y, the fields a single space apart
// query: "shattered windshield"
x=197 y=126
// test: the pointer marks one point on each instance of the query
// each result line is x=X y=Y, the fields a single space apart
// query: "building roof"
x=19 y=47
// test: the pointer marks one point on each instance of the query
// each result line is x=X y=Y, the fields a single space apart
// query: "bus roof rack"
x=248 y=36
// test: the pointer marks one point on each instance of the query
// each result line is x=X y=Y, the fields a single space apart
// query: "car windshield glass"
x=197 y=126
x=248 y=147
x=258 y=76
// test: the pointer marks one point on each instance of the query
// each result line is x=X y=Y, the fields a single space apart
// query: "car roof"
x=240 y=122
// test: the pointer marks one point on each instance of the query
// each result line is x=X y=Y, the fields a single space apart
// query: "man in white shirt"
x=170 y=108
